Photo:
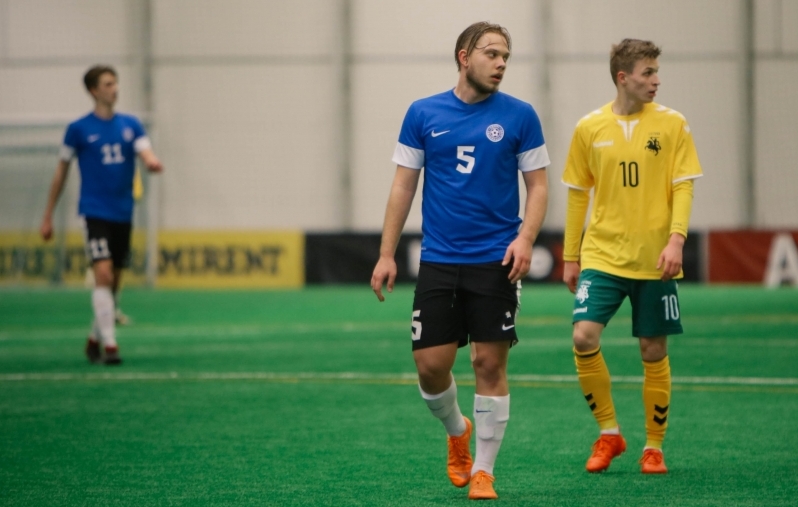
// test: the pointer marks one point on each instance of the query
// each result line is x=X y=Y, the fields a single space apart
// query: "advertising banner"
x=197 y=259
x=350 y=258
x=223 y=259
x=25 y=258
x=747 y=256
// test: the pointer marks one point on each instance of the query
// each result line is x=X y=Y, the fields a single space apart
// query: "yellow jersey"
x=632 y=164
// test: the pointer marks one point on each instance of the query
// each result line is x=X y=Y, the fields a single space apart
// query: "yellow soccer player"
x=640 y=161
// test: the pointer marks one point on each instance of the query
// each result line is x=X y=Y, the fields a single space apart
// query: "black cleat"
x=93 y=351
x=112 y=356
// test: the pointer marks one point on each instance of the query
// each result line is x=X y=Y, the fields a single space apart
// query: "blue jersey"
x=106 y=152
x=471 y=155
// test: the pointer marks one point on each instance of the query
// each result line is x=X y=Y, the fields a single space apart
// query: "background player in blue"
x=106 y=144
x=471 y=141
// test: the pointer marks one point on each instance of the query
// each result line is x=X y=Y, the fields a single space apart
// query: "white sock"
x=491 y=414
x=95 y=331
x=444 y=406
x=102 y=300
x=611 y=431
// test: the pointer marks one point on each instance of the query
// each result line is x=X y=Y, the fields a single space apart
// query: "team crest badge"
x=653 y=145
x=581 y=293
x=495 y=132
x=127 y=134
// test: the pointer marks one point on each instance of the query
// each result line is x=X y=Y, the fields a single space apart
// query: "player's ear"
x=462 y=56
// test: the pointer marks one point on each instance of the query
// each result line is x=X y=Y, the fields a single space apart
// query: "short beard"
x=479 y=87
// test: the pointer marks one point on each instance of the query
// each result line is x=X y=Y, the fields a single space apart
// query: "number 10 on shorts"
x=671 y=307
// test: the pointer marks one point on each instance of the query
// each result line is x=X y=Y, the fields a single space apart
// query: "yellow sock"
x=594 y=377
x=656 y=399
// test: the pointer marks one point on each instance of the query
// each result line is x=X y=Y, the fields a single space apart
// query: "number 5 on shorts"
x=416 y=325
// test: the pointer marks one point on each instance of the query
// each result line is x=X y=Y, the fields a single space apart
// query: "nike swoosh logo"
x=505 y=328
x=93 y=138
x=436 y=134
x=482 y=411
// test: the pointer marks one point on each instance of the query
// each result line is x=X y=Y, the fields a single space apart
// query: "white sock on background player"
x=95 y=333
x=102 y=301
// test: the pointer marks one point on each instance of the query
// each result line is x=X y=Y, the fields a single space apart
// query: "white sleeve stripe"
x=575 y=187
x=677 y=180
x=141 y=144
x=405 y=156
x=536 y=158
x=66 y=153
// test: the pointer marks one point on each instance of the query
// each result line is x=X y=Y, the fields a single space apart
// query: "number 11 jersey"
x=106 y=151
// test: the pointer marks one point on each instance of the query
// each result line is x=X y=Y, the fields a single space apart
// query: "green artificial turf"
x=307 y=397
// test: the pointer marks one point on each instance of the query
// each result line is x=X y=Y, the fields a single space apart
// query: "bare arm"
x=152 y=162
x=403 y=190
x=56 y=187
x=520 y=250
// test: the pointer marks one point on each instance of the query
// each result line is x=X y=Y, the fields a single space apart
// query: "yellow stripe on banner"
x=223 y=259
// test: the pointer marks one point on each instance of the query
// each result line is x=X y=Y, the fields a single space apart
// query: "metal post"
x=342 y=68
x=152 y=195
x=748 y=127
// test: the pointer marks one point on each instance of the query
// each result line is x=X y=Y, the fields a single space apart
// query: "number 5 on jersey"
x=463 y=154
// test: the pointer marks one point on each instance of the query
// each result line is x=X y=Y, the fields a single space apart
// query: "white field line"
x=235 y=331
x=242 y=330
x=367 y=377
x=212 y=331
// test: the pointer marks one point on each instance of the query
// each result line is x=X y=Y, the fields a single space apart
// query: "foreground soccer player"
x=471 y=142
x=106 y=144
x=640 y=161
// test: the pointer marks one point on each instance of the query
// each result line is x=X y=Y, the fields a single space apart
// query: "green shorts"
x=655 y=304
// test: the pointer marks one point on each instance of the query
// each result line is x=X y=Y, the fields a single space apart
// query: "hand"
x=154 y=165
x=570 y=275
x=520 y=252
x=670 y=260
x=46 y=230
x=385 y=269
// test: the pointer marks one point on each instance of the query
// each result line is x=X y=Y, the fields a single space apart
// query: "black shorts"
x=462 y=302
x=108 y=240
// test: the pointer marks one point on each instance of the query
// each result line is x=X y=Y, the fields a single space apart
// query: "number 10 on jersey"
x=630 y=173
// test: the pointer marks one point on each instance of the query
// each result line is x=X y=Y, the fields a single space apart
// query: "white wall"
x=246 y=108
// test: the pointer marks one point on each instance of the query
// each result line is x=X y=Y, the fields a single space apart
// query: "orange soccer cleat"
x=653 y=462
x=482 y=487
x=459 y=465
x=605 y=449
